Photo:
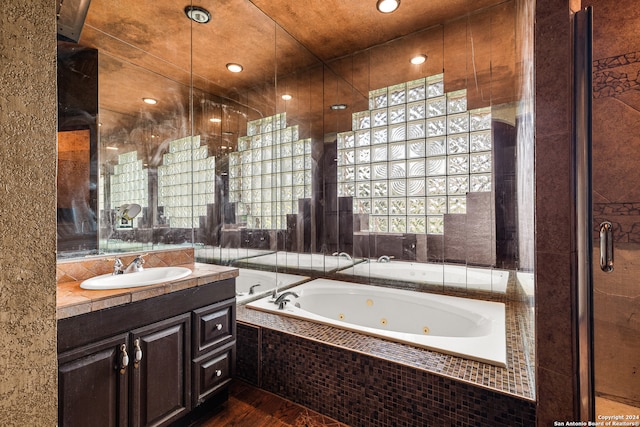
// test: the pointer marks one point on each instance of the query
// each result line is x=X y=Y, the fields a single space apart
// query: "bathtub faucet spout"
x=252 y=288
x=282 y=300
x=385 y=258
x=345 y=255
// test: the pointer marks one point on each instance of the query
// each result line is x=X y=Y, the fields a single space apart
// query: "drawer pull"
x=218 y=373
x=219 y=326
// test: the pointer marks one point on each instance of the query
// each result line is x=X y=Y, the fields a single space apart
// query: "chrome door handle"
x=606 y=247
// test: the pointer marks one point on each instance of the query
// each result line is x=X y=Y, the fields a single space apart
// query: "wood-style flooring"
x=249 y=406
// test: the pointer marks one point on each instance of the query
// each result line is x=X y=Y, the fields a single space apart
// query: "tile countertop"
x=71 y=300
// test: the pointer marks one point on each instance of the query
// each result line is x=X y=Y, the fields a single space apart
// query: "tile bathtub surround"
x=364 y=380
x=78 y=270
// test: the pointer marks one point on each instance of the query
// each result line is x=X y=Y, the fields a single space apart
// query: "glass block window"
x=186 y=182
x=271 y=170
x=414 y=156
x=129 y=183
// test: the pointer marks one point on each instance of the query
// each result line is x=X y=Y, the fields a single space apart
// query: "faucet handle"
x=141 y=256
x=118 y=266
x=283 y=303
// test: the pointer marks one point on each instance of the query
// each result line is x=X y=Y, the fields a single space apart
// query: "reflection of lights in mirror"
x=387 y=6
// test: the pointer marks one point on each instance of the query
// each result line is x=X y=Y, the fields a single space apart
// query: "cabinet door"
x=92 y=389
x=161 y=385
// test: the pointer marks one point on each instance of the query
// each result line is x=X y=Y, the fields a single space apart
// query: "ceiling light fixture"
x=215 y=120
x=387 y=6
x=197 y=14
x=338 y=107
x=287 y=97
x=419 y=59
x=150 y=101
x=234 y=68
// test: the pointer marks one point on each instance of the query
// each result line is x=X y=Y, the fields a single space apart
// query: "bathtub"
x=300 y=261
x=461 y=327
x=456 y=276
x=267 y=280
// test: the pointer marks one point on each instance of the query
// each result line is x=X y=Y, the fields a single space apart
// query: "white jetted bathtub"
x=301 y=261
x=458 y=276
x=262 y=283
x=462 y=327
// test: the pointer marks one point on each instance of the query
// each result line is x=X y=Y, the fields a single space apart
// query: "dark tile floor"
x=249 y=406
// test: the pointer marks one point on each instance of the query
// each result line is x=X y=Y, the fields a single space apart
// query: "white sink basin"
x=148 y=276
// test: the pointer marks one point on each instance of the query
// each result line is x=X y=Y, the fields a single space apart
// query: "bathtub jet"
x=463 y=327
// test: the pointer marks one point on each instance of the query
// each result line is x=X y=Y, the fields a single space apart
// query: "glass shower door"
x=616 y=200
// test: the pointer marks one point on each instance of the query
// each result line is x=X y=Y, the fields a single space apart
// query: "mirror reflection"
x=387 y=155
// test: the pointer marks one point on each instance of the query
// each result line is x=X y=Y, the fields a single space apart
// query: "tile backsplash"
x=81 y=269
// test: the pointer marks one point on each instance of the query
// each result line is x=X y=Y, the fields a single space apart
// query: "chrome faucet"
x=343 y=254
x=118 y=267
x=282 y=300
x=385 y=258
x=135 y=265
x=251 y=288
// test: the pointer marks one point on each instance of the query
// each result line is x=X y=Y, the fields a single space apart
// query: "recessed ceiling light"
x=234 y=68
x=419 y=59
x=227 y=133
x=149 y=101
x=197 y=14
x=387 y=6
x=110 y=147
x=338 y=107
x=287 y=97
x=215 y=120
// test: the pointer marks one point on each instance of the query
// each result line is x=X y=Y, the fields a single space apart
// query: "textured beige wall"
x=28 y=389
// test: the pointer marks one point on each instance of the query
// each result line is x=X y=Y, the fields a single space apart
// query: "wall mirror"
x=330 y=150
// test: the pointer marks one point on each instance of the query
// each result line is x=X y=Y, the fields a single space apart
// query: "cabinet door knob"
x=124 y=359
x=138 y=354
x=219 y=326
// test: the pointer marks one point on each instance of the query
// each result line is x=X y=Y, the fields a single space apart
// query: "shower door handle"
x=606 y=247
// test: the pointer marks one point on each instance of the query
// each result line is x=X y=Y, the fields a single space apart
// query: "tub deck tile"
x=514 y=380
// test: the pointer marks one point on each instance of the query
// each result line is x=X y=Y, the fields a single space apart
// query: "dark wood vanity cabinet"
x=177 y=352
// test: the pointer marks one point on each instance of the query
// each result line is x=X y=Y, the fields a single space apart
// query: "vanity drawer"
x=212 y=371
x=214 y=325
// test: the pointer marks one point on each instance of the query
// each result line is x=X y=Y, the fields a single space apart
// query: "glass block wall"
x=186 y=182
x=269 y=173
x=129 y=183
x=414 y=155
